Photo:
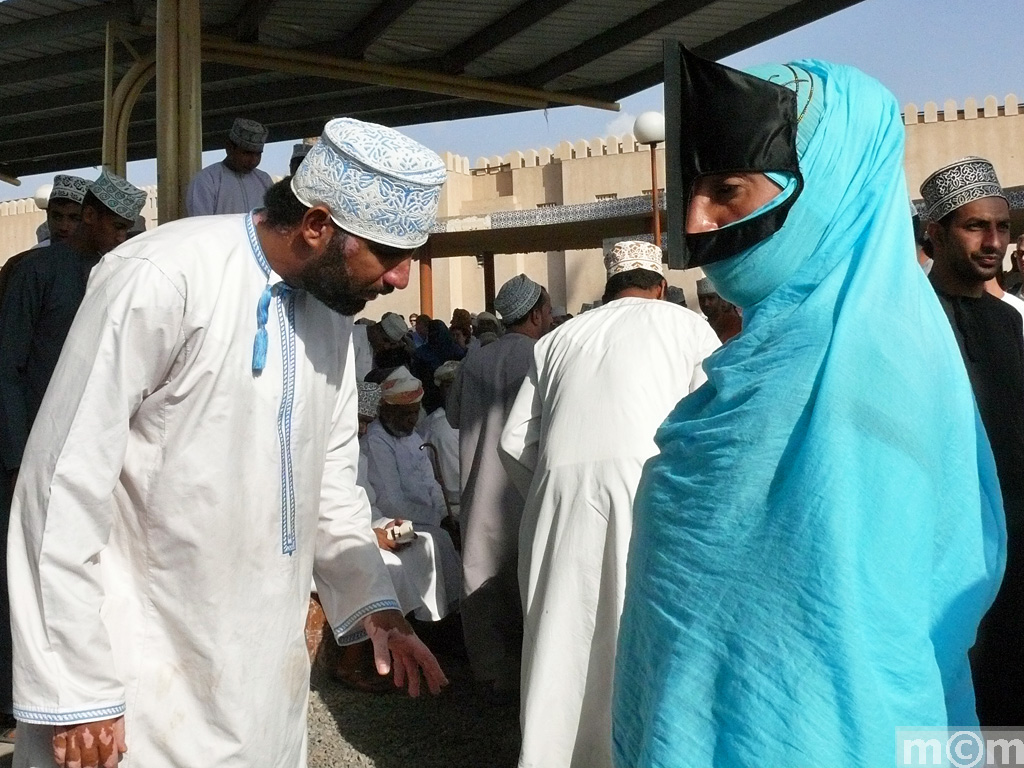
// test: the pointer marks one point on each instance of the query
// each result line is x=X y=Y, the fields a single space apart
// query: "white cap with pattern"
x=957 y=184
x=248 y=134
x=66 y=187
x=377 y=183
x=117 y=194
x=627 y=255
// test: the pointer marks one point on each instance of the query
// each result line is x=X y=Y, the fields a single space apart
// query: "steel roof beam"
x=58 y=26
x=518 y=20
x=609 y=41
x=245 y=26
x=354 y=44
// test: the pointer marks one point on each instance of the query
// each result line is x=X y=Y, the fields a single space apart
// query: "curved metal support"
x=118 y=117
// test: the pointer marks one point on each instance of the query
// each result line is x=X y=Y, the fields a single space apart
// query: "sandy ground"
x=461 y=727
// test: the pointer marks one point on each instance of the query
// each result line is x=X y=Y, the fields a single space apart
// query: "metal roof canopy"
x=467 y=58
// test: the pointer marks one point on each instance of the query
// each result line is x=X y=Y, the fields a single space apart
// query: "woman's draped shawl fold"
x=822 y=531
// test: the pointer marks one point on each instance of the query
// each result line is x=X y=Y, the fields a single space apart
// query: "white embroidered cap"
x=117 y=194
x=248 y=134
x=706 y=288
x=378 y=183
x=66 y=187
x=627 y=255
x=958 y=184
x=369 y=399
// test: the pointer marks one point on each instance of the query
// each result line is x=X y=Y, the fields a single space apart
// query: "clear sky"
x=923 y=50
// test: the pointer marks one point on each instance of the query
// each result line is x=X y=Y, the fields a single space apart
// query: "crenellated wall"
x=611 y=166
x=993 y=129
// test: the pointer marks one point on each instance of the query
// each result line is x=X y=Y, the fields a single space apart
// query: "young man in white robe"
x=399 y=469
x=235 y=184
x=478 y=404
x=574 y=443
x=194 y=465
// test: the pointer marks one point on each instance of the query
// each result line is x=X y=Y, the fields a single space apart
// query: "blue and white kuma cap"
x=378 y=183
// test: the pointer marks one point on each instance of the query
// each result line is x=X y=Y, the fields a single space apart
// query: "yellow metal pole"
x=317 y=65
x=109 y=129
x=190 y=112
x=167 y=66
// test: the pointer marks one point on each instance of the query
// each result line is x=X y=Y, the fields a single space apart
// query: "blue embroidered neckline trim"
x=286 y=322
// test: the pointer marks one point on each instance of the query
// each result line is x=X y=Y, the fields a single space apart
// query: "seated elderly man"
x=412 y=565
x=404 y=488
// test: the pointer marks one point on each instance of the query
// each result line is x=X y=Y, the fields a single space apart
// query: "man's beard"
x=329 y=280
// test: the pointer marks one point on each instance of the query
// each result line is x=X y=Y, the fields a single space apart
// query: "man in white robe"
x=193 y=465
x=575 y=442
x=436 y=430
x=235 y=184
x=403 y=480
x=478 y=404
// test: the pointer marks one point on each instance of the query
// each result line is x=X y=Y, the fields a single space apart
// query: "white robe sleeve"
x=705 y=342
x=201 y=198
x=520 y=439
x=121 y=346
x=351 y=579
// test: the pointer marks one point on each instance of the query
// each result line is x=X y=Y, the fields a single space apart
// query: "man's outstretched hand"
x=394 y=643
x=99 y=744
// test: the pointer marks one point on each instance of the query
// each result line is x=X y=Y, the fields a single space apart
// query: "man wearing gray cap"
x=478 y=404
x=235 y=184
x=969 y=234
x=194 y=467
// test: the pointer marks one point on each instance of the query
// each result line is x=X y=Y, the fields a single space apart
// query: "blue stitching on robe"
x=286 y=322
x=42 y=717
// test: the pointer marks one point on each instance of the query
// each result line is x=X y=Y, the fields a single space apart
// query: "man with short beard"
x=969 y=232
x=194 y=465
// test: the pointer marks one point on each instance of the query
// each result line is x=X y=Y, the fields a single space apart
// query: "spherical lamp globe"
x=649 y=128
x=42 y=196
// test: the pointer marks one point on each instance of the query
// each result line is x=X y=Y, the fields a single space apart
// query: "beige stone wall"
x=578 y=172
x=937 y=136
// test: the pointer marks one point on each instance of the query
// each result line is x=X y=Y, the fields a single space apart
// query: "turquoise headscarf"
x=822 y=531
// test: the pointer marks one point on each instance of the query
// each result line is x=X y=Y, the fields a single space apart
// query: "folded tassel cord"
x=259 y=344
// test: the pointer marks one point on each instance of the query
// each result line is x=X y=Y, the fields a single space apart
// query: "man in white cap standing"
x=41 y=293
x=969 y=231
x=235 y=184
x=491 y=506
x=574 y=443
x=194 y=466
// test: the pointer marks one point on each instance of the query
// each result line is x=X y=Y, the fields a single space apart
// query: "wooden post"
x=426 y=282
x=489 y=289
x=178 y=107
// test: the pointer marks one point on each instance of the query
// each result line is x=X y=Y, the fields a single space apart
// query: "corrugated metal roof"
x=51 y=56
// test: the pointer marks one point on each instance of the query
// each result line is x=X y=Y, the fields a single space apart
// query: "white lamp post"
x=649 y=129
x=42 y=196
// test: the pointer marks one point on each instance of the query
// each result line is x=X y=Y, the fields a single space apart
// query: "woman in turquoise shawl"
x=822 y=531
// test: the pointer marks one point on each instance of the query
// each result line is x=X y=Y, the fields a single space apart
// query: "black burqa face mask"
x=720 y=120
